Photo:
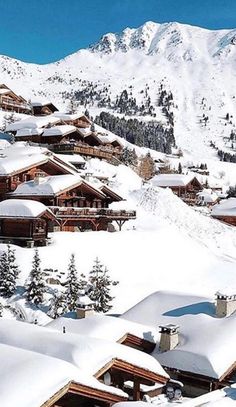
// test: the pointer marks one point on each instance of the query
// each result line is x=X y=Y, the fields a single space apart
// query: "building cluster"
x=169 y=348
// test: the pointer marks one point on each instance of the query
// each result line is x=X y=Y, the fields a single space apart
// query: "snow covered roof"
x=208 y=195
x=75 y=349
x=52 y=185
x=3 y=91
x=59 y=130
x=71 y=158
x=68 y=116
x=36 y=377
x=223 y=397
x=171 y=180
x=22 y=208
x=104 y=327
x=226 y=207
x=29 y=132
x=33 y=122
x=206 y=343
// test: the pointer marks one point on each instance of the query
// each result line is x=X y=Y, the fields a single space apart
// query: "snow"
x=104 y=327
x=50 y=186
x=33 y=122
x=205 y=345
x=226 y=207
x=29 y=132
x=223 y=397
x=59 y=130
x=71 y=158
x=208 y=196
x=37 y=377
x=68 y=116
x=171 y=180
x=21 y=208
x=75 y=349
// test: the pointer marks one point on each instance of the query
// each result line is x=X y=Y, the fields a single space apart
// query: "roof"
x=59 y=130
x=75 y=349
x=33 y=122
x=171 y=180
x=206 y=344
x=223 y=397
x=20 y=156
x=40 y=378
x=29 y=132
x=104 y=327
x=226 y=207
x=71 y=158
x=69 y=116
x=53 y=185
x=3 y=91
x=22 y=208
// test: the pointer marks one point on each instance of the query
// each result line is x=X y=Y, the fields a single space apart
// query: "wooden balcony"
x=83 y=149
x=6 y=103
x=93 y=215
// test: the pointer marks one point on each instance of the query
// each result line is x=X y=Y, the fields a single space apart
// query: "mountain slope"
x=196 y=65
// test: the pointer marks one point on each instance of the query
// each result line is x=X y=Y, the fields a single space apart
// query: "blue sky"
x=44 y=31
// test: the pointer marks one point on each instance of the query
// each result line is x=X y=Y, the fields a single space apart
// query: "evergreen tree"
x=57 y=306
x=36 y=286
x=146 y=167
x=82 y=283
x=72 y=285
x=101 y=284
x=180 y=170
x=8 y=272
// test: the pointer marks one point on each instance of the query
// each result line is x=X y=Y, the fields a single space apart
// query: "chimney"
x=85 y=307
x=225 y=304
x=169 y=337
x=39 y=178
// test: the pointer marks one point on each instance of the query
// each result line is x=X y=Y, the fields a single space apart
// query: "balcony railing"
x=80 y=213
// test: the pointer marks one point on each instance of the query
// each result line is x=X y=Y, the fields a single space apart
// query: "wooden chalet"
x=15 y=171
x=76 y=203
x=43 y=109
x=12 y=102
x=225 y=211
x=184 y=186
x=24 y=222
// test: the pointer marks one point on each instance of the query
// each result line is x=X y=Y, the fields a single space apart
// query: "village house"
x=225 y=211
x=20 y=163
x=185 y=186
x=66 y=133
x=12 y=102
x=24 y=222
x=192 y=329
x=110 y=364
x=76 y=203
x=43 y=108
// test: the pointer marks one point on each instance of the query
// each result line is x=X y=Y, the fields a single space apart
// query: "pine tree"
x=36 y=286
x=82 y=283
x=8 y=272
x=180 y=168
x=57 y=306
x=72 y=285
x=101 y=284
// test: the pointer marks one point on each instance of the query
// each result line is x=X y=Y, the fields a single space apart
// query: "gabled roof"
x=172 y=180
x=226 y=207
x=33 y=122
x=30 y=378
x=22 y=208
x=207 y=343
x=53 y=186
x=70 y=116
x=76 y=349
x=59 y=130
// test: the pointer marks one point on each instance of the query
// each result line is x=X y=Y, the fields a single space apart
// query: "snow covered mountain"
x=195 y=64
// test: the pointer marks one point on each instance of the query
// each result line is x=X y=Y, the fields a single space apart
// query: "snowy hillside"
x=195 y=64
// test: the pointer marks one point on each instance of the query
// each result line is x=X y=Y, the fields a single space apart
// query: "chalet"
x=186 y=323
x=76 y=203
x=108 y=363
x=75 y=119
x=34 y=124
x=20 y=163
x=43 y=108
x=185 y=186
x=24 y=222
x=225 y=211
x=12 y=102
